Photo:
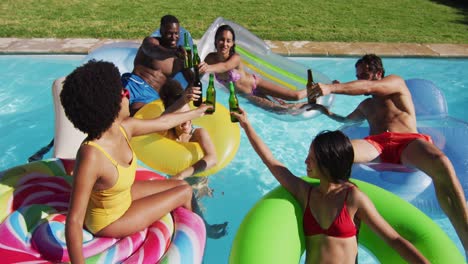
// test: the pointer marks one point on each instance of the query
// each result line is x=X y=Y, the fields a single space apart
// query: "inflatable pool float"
x=34 y=200
x=170 y=157
x=447 y=133
x=257 y=56
x=272 y=230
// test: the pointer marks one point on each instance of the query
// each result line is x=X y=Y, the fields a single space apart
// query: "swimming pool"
x=26 y=122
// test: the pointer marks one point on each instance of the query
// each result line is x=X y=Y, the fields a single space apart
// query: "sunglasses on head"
x=125 y=93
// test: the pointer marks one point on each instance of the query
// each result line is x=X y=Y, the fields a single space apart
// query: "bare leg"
x=364 y=151
x=428 y=158
x=151 y=201
x=275 y=90
x=212 y=230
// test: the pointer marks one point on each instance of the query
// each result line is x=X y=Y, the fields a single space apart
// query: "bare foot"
x=216 y=231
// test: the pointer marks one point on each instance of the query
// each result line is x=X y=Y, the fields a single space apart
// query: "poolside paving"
x=288 y=48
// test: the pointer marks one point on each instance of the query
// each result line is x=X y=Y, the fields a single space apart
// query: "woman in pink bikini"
x=226 y=64
x=336 y=203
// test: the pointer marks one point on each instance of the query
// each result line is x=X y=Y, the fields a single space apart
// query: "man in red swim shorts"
x=393 y=134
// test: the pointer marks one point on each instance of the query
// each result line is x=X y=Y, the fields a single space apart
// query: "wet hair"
x=168 y=19
x=170 y=92
x=220 y=31
x=372 y=62
x=334 y=153
x=91 y=97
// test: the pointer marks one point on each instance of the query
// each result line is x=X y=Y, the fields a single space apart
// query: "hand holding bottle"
x=241 y=116
x=192 y=93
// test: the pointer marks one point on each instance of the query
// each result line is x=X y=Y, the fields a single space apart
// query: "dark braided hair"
x=372 y=62
x=334 y=153
x=220 y=31
x=91 y=97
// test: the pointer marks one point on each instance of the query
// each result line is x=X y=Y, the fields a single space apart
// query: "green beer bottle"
x=197 y=82
x=188 y=51
x=233 y=102
x=211 y=96
x=309 y=86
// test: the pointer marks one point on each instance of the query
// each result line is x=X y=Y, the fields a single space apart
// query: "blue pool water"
x=26 y=122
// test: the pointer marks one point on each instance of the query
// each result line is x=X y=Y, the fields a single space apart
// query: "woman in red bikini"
x=226 y=64
x=334 y=208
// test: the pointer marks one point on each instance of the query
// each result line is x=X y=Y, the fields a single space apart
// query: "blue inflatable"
x=447 y=133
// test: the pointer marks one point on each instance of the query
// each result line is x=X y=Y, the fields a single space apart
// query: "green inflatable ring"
x=272 y=230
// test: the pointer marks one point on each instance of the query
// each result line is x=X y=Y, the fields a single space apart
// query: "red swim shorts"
x=391 y=144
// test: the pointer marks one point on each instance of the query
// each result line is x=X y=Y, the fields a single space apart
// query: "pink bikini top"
x=233 y=76
x=342 y=226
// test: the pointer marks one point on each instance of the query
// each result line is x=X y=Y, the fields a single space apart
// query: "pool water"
x=26 y=122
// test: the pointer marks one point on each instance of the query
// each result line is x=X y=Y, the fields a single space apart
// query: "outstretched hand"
x=203 y=67
x=323 y=109
x=192 y=93
x=203 y=107
x=242 y=117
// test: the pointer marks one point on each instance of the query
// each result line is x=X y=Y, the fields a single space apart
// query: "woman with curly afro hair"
x=105 y=199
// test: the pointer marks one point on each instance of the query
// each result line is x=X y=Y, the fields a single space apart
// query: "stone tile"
x=123 y=42
x=449 y=50
x=78 y=45
x=411 y=49
x=343 y=48
x=278 y=47
x=381 y=49
x=288 y=48
x=306 y=48
x=6 y=42
x=36 y=45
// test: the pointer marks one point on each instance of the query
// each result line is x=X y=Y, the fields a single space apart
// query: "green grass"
x=412 y=21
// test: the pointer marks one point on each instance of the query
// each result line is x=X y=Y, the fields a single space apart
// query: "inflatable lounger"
x=447 y=133
x=34 y=201
x=260 y=60
x=272 y=231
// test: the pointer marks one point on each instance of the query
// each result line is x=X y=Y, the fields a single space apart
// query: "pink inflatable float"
x=34 y=199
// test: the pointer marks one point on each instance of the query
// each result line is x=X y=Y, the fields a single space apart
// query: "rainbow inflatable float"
x=34 y=200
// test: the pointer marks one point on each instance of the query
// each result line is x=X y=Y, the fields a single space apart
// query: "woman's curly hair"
x=91 y=97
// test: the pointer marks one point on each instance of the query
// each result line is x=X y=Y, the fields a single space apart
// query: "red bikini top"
x=342 y=226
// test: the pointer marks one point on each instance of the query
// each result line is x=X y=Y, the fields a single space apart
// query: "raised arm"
x=369 y=215
x=354 y=117
x=152 y=48
x=389 y=85
x=296 y=186
x=211 y=65
x=137 y=127
x=84 y=177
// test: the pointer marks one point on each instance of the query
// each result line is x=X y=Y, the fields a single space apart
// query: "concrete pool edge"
x=287 y=48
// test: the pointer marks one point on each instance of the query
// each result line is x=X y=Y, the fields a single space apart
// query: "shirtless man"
x=391 y=117
x=156 y=59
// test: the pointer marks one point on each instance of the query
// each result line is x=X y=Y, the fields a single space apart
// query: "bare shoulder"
x=395 y=83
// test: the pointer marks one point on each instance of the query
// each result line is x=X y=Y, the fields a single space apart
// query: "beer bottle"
x=310 y=85
x=197 y=82
x=188 y=51
x=233 y=102
x=211 y=95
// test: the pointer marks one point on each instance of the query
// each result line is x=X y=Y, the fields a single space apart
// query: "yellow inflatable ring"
x=170 y=157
